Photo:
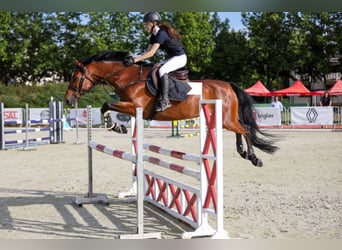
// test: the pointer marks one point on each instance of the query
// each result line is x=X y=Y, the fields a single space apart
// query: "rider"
x=165 y=37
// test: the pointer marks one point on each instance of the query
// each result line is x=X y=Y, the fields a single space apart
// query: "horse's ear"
x=78 y=63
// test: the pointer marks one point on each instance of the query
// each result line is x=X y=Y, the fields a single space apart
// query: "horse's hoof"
x=258 y=163
x=255 y=160
x=121 y=129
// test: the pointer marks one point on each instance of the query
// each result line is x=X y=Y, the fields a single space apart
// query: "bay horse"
x=129 y=83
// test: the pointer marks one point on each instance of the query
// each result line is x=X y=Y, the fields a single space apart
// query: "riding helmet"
x=152 y=17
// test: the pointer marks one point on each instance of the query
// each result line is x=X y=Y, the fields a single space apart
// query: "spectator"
x=325 y=100
x=277 y=104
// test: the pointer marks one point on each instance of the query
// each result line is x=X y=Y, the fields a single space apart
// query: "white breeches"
x=172 y=64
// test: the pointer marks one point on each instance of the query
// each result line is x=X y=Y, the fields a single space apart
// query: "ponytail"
x=171 y=31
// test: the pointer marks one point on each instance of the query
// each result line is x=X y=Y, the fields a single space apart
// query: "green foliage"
x=268 y=39
x=274 y=46
x=196 y=31
x=232 y=54
x=282 y=44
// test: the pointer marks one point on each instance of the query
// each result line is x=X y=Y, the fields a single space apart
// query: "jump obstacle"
x=92 y=198
x=192 y=205
x=54 y=129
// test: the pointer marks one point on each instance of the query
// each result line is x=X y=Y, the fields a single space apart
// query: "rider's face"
x=148 y=26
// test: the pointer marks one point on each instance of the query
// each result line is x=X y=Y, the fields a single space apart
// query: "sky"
x=234 y=19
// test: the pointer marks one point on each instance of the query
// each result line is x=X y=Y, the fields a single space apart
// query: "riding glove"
x=128 y=61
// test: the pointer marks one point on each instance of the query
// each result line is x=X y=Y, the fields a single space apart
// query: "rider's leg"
x=169 y=65
x=164 y=101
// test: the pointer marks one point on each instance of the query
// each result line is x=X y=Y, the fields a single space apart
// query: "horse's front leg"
x=121 y=107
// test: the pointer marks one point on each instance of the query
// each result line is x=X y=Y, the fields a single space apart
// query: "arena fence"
x=53 y=127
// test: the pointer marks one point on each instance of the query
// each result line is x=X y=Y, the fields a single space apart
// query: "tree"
x=196 y=29
x=314 y=42
x=336 y=24
x=230 y=57
x=41 y=48
x=268 y=39
x=275 y=46
x=14 y=44
x=112 y=30
x=4 y=43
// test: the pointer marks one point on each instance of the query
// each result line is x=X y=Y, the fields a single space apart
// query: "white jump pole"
x=140 y=182
x=90 y=197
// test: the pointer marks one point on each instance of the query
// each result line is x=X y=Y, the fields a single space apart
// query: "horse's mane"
x=107 y=55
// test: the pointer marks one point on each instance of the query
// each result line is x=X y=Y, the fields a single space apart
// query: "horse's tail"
x=247 y=118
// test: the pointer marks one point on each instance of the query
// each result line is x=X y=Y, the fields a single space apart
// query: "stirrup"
x=162 y=105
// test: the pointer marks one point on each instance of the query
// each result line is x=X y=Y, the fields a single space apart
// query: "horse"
x=130 y=84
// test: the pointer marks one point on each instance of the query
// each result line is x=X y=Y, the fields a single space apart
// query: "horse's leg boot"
x=108 y=122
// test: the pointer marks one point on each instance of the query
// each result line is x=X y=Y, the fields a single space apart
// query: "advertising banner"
x=268 y=116
x=312 y=115
x=14 y=115
x=39 y=114
x=82 y=114
x=120 y=118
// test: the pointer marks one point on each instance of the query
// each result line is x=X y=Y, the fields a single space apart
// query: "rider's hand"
x=128 y=61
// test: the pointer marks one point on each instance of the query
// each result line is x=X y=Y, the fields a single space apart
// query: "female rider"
x=164 y=37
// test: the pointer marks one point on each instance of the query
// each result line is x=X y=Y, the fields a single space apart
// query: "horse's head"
x=82 y=80
x=107 y=66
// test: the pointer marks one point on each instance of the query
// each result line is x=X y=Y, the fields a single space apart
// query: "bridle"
x=84 y=72
x=94 y=79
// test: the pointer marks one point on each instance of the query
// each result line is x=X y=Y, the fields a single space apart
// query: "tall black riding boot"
x=164 y=102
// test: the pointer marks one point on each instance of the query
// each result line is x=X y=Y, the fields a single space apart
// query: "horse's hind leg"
x=239 y=146
x=240 y=131
x=250 y=151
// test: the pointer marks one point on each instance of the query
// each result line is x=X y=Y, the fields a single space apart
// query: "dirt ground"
x=295 y=195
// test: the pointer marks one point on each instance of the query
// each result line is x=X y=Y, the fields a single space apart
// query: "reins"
x=105 y=79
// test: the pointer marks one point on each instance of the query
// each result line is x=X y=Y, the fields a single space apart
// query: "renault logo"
x=311 y=115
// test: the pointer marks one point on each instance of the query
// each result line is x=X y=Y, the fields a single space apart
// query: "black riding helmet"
x=152 y=17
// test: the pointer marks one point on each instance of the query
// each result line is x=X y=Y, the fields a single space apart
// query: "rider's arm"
x=151 y=50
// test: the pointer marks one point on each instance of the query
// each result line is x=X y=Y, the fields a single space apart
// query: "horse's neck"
x=120 y=76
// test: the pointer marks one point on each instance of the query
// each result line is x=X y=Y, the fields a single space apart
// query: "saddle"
x=178 y=83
